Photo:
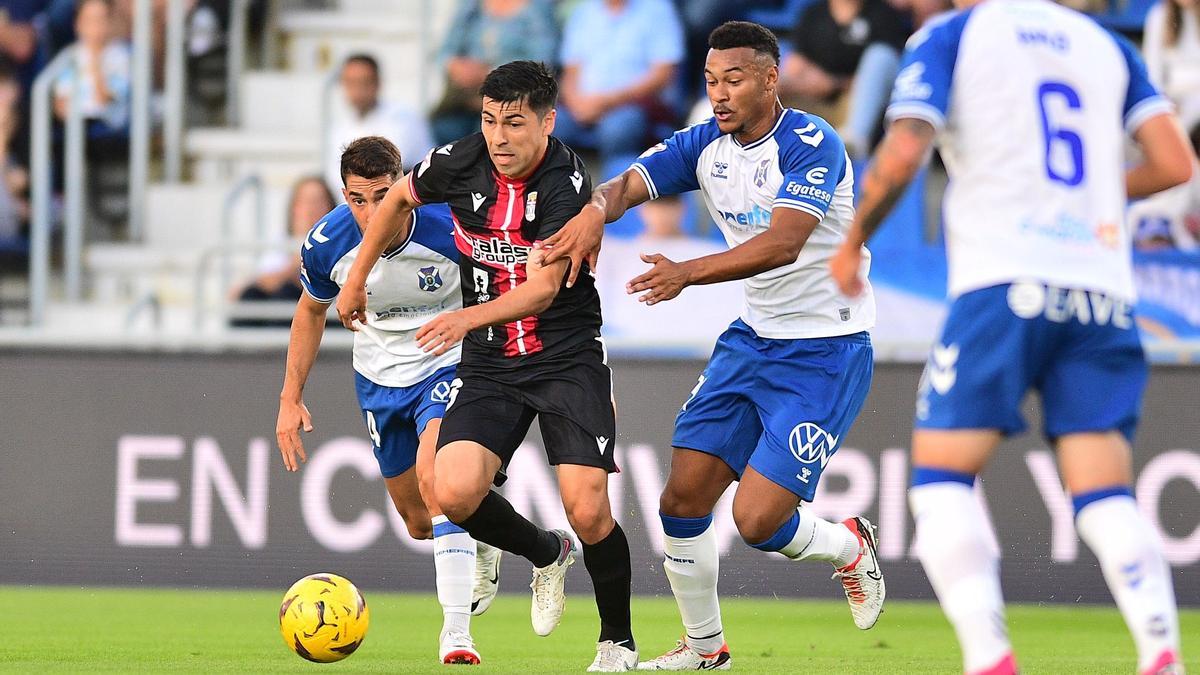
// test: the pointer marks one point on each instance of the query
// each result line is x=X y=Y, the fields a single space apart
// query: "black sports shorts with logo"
x=570 y=396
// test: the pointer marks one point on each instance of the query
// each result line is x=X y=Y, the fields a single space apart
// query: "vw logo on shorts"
x=810 y=443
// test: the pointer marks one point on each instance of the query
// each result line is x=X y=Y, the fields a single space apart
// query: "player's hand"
x=579 y=240
x=352 y=304
x=844 y=267
x=662 y=282
x=443 y=332
x=293 y=416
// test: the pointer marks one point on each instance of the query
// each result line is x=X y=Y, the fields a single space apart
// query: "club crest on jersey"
x=429 y=278
x=719 y=169
x=530 y=206
x=760 y=176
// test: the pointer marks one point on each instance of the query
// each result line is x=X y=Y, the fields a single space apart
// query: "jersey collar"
x=763 y=139
x=412 y=230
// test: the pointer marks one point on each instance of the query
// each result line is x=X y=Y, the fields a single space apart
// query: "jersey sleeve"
x=922 y=89
x=812 y=159
x=430 y=179
x=315 y=269
x=564 y=203
x=1142 y=98
x=669 y=168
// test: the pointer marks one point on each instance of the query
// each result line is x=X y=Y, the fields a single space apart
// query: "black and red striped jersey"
x=497 y=220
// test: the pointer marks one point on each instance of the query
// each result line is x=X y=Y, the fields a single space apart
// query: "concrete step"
x=192 y=215
x=220 y=154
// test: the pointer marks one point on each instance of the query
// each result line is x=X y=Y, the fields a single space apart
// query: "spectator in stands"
x=1171 y=45
x=364 y=113
x=920 y=11
x=14 y=180
x=620 y=59
x=483 y=35
x=844 y=60
x=99 y=74
x=279 y=272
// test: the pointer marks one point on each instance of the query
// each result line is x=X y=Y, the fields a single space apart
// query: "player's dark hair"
x=734 y=34
x=528 y=81
x=108 y=4
x=371 y=157
x=365 y=59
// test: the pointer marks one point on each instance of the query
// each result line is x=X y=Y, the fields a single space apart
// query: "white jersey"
x=405 y=289
x=1032 y=101
x=800 y=164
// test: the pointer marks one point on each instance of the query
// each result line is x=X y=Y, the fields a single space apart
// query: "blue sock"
x=684 y=528
x=924 y=475
x=783 y=536
x=1081 y=500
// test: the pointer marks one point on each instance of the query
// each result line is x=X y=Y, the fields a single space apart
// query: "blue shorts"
x=780 y=406
x=1079 y=349
x=396 y=416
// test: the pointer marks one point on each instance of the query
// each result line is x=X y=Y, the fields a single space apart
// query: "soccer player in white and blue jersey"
x=1030 y=104
x=787 y=379
x=403 y=392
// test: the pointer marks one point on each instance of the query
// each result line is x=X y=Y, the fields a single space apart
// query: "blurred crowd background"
x=630 y=73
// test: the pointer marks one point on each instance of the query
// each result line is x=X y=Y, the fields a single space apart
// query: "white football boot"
x=683 y=657
x=613 y=658
x=549 y=599
x=458 y=648
x=862 y=579
x=487 y=577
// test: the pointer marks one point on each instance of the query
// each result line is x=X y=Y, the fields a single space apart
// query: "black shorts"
x=571 y=396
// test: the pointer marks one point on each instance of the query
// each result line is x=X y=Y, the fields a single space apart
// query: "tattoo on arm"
x=902 y=153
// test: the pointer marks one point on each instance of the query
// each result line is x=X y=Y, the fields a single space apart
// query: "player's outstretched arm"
x=308 y=325
x=1166 y=157
x=532 y=297
x=386 y=223
x=579 y=239
x=779 y=245
x=901 y=154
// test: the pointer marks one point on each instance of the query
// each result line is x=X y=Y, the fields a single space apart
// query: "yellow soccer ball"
x=323 y=618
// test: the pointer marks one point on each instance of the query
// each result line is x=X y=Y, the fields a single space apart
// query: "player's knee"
x=418 y=529
x=755 y=528
x=591 y=520
x=456 y=499
x=680 y=504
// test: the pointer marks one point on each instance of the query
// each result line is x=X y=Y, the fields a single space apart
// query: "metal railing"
x=174 y=91
x=42 y=185
x=139 y=118
x=235 y=58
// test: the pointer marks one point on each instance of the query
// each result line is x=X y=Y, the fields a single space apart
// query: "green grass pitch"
x=157 y=630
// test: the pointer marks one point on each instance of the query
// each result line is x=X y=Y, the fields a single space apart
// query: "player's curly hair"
x=734 y=34
x=517 y=81
x=371 y=157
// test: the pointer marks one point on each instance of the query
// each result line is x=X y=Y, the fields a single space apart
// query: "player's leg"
x=1097 y=470
x=968 y=399
x=454 y=549
x=578 y=423
x=606 y=556
x=1092 y=398
x=454 y=556
x=715 y=431
x=808 y=394
x=481 y=430
x=954 y=543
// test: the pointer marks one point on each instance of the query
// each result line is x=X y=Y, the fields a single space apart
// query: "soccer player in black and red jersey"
x=532 y=346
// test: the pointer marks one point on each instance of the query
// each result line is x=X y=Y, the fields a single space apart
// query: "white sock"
x=454 y=562
x=953 y=544
x=818 y=539
x=1137 y=574
x=691 y=565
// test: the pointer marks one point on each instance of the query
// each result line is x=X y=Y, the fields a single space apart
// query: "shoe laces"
x=459 y=639
x=608 y=655
x=851 y=584
x=541 y=585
